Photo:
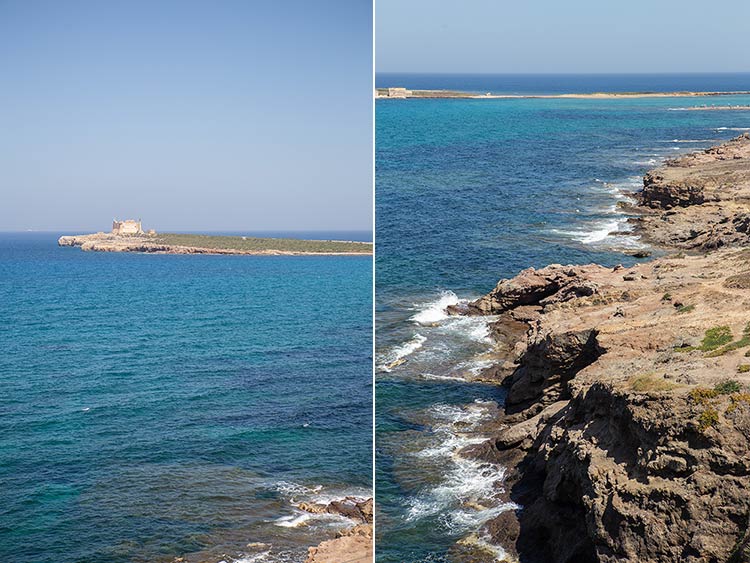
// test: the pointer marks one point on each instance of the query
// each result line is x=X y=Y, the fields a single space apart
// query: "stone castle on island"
x=129 y=227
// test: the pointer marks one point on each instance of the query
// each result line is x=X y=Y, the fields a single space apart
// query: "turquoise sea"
x=471 y=191
x=156 y=406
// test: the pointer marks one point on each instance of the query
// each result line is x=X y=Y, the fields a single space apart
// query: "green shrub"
x=686 y=309
x=731 y=347
x=715 y=337
x=712 y=339
x=666 y=297
x=708 y=418
x=702 y=395
x=743 y=368
x=728 y=386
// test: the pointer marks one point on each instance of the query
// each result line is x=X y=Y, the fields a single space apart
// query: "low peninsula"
x=127 y=236
x=402 y=93
x=626 y=425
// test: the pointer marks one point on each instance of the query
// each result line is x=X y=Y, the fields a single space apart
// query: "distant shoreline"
x=174 y=243
x=403 y=93
x=713 y=108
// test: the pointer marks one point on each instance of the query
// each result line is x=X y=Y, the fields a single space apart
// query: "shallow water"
x=155 y=406
x=468 y=192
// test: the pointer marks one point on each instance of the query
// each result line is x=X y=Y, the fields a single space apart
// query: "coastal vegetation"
x=649 y=383
x=714 y=337
x=259 y=244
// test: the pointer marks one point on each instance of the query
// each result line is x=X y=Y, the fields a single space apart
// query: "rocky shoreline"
x=353 y=545
x=626 y=426
x=218 y=245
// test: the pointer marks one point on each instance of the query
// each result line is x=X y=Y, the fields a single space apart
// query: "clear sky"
x=193 y=115
x=557 y=36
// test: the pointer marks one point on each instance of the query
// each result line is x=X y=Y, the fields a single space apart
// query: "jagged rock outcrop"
x=552 y=284
x=352 y=545
x=699 y=201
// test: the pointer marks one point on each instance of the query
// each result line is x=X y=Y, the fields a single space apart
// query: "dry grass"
x=649 y=383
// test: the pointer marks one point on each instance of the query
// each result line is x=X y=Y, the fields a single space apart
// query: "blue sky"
x=555 y=36
x=193 y=115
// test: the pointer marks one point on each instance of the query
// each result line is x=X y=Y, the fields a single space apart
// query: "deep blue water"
x=156 y=405
x=471 y=191
x=568 y=83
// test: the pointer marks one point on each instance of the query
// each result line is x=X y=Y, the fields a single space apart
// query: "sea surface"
x=155 y=406
x=471 y=191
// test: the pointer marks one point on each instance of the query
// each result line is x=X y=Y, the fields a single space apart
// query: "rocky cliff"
x=627 y=421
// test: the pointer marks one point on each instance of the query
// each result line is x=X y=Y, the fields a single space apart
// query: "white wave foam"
x=468 y=416
x=293 y=490
x=293 y=520
x=398 y=353
x=256 y=558
x=442 y=377
x=732 y=129
x=476 y=366
x=301 y=518
x=465 y=499
x=268 y=557
x=485 y=542
x=467 y=496
x=471 y=328
x=598 y=232
x=434 y=311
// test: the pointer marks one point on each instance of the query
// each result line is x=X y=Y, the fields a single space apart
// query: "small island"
x=129 y=236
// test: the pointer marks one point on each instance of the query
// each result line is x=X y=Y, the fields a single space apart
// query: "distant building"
x=398 y=93
x=127 y=227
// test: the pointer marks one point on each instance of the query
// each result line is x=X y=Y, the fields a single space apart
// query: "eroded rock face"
x=699 y=201
x=551 y=359
x=634 y=478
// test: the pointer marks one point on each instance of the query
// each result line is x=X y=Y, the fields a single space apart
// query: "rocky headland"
x=626 y=425
x=173 y=243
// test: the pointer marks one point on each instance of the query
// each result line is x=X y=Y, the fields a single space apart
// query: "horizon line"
x=496 y=73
